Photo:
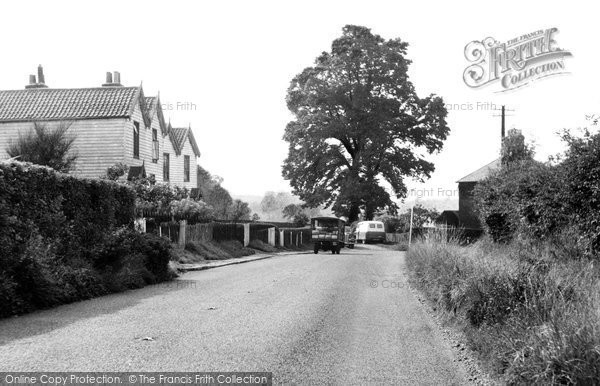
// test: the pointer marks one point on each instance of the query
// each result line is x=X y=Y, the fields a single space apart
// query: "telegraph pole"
x=503 y=121
x=503 y=116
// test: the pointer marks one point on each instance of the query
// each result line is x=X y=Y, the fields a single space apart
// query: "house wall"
x=98 y=143
x=177 y=167
x=168 y=148
x=176 y=162
x=145 y=156
x=466 y=206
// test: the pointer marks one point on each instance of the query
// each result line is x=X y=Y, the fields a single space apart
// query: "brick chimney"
x=113 y=80
x=41 y=80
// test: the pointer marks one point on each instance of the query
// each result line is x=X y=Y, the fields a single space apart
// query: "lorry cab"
x=327 y=234
x=370 y=231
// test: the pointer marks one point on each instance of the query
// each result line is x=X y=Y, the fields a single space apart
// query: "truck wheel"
x=337 y=251
x=333 y=251
x=316 y=250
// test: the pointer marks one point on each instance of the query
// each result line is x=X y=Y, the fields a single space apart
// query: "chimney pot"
x=39 y=82
x=109 y=77
x=117 y=77
x=41 y=79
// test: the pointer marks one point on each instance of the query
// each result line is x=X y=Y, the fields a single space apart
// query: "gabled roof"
x=67 y=104
x=482 y=172
x=153 y=104
x=179 y=135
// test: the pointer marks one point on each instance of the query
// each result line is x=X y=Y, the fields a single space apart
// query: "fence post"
x=301 y=233
x=281 y=238
x=246 y=234
x=182 y=226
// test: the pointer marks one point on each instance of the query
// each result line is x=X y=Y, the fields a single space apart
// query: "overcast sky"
x=228 y=65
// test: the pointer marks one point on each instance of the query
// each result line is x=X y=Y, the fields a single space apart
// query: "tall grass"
x=532 y=317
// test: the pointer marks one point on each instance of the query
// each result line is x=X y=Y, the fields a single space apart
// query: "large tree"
x=358 y=121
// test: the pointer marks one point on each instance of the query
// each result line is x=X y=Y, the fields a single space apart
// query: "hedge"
x=55 y=230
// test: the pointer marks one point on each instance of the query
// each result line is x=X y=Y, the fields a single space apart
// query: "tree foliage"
x=215 y=195
x=239 y=211
x=46 y=145
x=358 y=121
x=514 y=148
x=401 y=223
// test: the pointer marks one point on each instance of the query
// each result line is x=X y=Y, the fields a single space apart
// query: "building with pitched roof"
x=111 y=124
x=466 y=216
x=466 y=209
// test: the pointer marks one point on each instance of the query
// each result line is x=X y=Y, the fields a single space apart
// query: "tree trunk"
x=369 y=212
x=353 y=213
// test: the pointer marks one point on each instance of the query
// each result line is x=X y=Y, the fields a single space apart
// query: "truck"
x=328 y=234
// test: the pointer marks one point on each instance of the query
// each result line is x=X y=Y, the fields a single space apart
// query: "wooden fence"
x=182 y=232
x=398 y=238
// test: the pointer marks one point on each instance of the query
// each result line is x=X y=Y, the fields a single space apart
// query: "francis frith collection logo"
x=515 y=63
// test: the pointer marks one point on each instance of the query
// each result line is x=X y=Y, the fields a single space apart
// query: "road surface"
x=310 y=319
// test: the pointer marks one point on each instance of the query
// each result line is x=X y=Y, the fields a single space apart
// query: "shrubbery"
x=537 y=201
x=65 y=239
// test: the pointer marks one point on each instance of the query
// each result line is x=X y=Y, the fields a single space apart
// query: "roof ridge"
x=48 y=89
x=473 y=176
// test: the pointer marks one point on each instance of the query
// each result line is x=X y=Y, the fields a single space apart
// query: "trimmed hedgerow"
x=58 y=232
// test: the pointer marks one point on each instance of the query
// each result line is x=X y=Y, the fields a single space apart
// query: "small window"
x=371 y=225
x=166 y=167
x=379 y=226
x=136 y=140
x=186 y=168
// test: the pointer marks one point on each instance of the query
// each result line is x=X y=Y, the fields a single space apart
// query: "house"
x=466 y=217
x=111 y=124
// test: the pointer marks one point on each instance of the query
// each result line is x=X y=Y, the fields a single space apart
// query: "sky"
x=224 y=68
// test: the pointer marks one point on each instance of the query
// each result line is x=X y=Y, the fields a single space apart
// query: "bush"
x=522 y=199
x=142 y=255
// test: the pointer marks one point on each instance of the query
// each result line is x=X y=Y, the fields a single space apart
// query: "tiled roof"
x=150 y=101
x=179 y=135
x=66 y=104
x=481 y=173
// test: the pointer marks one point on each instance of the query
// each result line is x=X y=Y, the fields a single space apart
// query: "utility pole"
x=503 y=116
x=503 y=121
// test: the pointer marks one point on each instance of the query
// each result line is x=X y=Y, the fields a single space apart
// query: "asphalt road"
x=310 y=319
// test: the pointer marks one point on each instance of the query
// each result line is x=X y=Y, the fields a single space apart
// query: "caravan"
x=367 y=231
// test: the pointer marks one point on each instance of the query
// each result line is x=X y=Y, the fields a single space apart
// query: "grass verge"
x=531 y=319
